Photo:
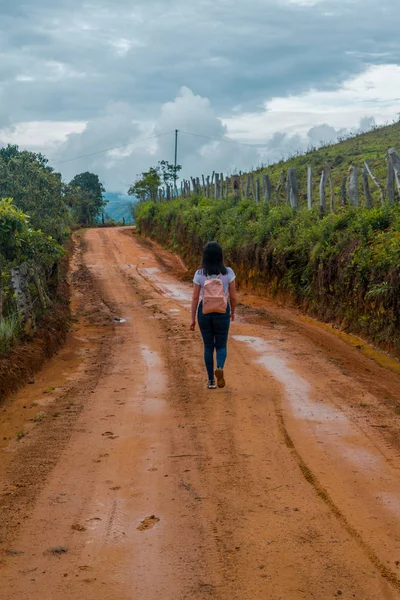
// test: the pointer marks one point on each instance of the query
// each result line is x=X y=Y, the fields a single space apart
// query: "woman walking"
x=214 y=286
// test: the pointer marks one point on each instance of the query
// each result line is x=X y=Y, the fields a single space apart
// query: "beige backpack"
x=214 y=298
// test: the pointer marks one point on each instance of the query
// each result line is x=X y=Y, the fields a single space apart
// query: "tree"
x=169 y=173
x=148 y=183
x=147 y=186
x=85 y=197
x=35 y=188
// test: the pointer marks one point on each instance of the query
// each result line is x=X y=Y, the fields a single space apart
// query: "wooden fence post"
x=267 y=188
x=242 y=185
x=168 y=192
x=287 y=189
x=376 y=181
x=395 y=160
x=217 y=186
x=227 y=187
x=309 y=188
x=279 y=186
x=221 y=186
x=253 y=186
x=353 y=186
x=236 y=187
x=322 y=197
x=329 y=176
x=293 y=189
x=248 y=183
x=343 y=191
x=257 y=198
x=367 y=192
x=390 y=181
x=204 y=185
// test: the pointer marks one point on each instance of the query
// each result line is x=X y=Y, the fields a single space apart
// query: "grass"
x=371 y=146
x=39 y=417
x=9 y=329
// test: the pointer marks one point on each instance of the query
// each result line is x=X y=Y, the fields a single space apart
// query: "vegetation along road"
x=126 y=479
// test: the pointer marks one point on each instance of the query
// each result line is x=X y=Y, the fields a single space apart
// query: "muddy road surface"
x=123 y=478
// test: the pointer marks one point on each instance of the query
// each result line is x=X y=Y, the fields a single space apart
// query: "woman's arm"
x=232 y=299
x=195 y=303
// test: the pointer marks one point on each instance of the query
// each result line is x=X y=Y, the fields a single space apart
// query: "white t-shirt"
x=199 y=278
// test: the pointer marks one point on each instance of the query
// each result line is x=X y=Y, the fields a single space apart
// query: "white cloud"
x=283 y=126
x=375 y=92
x=40 y=133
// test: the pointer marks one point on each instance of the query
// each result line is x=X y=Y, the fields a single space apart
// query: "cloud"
x=199 y=153
x=375 y=90
x=280 y=73
x=74 y=59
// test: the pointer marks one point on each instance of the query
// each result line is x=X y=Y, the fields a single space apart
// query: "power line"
x=207 y=137
x=152 y=137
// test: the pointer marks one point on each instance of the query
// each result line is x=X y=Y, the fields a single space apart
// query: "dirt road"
x=123 y=478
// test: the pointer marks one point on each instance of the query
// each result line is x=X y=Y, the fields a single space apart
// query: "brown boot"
x=219 y=374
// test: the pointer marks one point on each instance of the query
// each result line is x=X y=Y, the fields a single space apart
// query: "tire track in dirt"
x=307 y=473
x=26 y=466
x=322 y=493
x=191 y=494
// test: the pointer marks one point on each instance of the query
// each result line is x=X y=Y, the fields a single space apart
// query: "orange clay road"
x=123 y=478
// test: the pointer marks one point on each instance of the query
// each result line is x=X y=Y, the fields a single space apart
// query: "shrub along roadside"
x=344 y=267
x=20 y=244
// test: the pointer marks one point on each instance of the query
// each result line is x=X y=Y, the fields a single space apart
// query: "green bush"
x=342 y=267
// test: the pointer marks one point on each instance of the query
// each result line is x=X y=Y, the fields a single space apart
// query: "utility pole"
x=176 y=159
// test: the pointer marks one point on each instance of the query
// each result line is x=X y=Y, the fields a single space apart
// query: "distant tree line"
x=52 y=205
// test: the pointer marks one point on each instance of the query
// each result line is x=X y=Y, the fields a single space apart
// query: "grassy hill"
x=371 y=146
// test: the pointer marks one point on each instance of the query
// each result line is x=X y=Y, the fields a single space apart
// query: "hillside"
x=119 y=207
x=342 y=267
x=371 y=146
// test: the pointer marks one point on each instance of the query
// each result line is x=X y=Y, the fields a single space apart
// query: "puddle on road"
x=154 y=384
x=149 y=270
x=175 y=291
x=360 y=456
x=297 y=389
x=331 y=427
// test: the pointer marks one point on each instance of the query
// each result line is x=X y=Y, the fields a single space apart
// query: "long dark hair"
x=213 y=260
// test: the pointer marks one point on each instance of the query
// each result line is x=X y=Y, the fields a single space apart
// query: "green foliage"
x=343 y=267
x=84 y=195
x=9 y=329
x=36 y=189
x=148 y=183
x=169 y=173
x=19 y=242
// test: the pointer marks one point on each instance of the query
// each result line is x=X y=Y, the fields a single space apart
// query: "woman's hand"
x=192 y=324
x=232 y=316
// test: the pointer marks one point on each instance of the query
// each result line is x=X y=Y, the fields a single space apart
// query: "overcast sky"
x=80 y=77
